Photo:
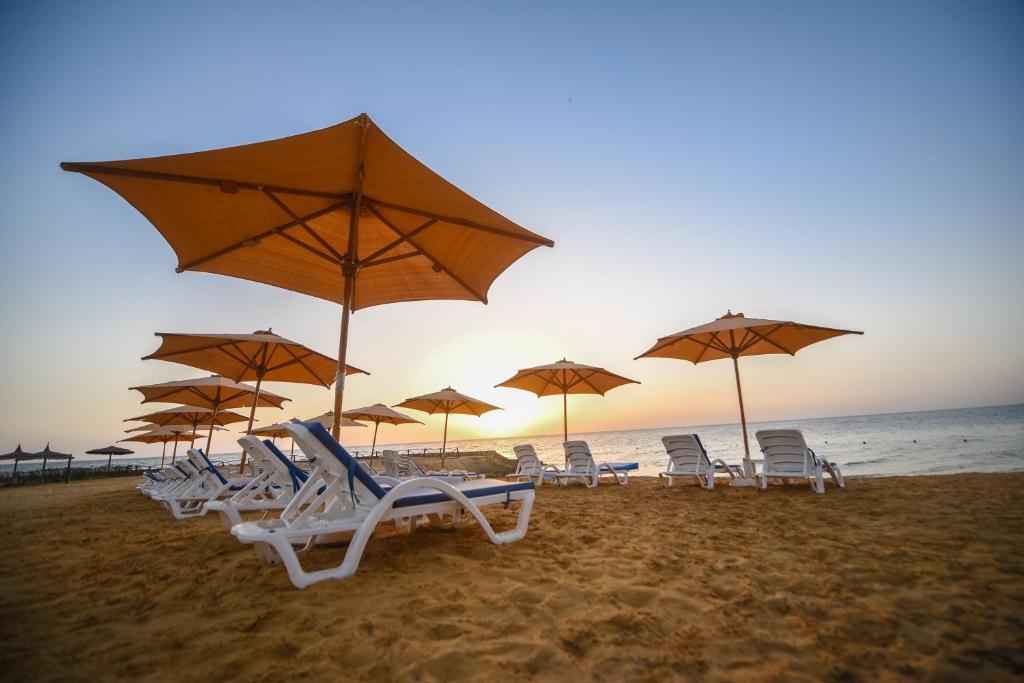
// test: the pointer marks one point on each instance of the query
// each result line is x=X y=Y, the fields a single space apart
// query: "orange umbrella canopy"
x=208 y=392
x=342 y=214
x=378 y=413
x=212 y=392
x=447 y=401
x=734 y=335
x=566 y=377
x=193 y=415
x=261 y=355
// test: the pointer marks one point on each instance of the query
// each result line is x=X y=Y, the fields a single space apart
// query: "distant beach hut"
x=566 y=377
x=214 y=392
x=447 y=401
x=110 y=452
x=342 y=214
x=164 y=435
x=256 y=357
x=734 y=335
x=378 y=413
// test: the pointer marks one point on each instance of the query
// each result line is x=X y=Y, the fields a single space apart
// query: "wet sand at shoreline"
x=895 y=578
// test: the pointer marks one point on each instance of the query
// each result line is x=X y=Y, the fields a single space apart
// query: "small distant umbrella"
x=47 y=454
x=16 y=455
x=378 y=413
x=566 y=377
x=214 y=392
x=254 y=357
x=163 y=435
x=327 y=419
x=275 y=431
x=447 y=401
x=191 y=415
x=110 y=452
x=734 y=335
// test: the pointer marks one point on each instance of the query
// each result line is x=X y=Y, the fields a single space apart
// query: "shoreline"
x=916 y=577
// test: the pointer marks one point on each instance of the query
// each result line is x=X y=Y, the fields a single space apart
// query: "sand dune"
x=894 y=578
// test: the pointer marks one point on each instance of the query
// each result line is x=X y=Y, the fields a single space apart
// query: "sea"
x=989 y=439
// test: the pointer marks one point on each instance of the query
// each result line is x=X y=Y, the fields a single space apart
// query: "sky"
x=858 y=165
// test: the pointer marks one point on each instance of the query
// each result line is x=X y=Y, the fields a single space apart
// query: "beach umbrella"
x=378 y=413
x=16 y=455
x=734 y=335
x=163 y=435
x=214 y=392
x=110 y=452
x=566 y=377
x=47 y=454
x=447 y=401
x=191 y=415
x=275 y=431
x=342 y=214
x=327 y=420
x=256 y=357
x=170 y=427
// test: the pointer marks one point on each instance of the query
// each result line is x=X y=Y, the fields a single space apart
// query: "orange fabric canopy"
x=261 y=355
x=735 y=335
x=378 y=413
x=208 y=392
x=278 y=212
x=193 y=415
x=448 y=401
x=566 y=377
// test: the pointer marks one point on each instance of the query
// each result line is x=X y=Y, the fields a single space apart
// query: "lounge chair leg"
x=818 y=483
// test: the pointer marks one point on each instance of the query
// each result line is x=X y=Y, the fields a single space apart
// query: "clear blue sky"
x=851 y=164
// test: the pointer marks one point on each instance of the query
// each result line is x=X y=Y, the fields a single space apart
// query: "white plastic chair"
x=530 y=467
x=342 y=500
x=787 y=457
x=580 y=466
x=687 y=457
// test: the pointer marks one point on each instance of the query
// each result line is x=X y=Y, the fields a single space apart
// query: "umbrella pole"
x=444 y=443
x=293 y=450
x=252 y=413
x=163 y=453
x=748 y=466
x=374 y=445
x=339 y=379
x=174 y=451
x=349 y=268
x=110 y=456
x=209 y=437
x=565 y=417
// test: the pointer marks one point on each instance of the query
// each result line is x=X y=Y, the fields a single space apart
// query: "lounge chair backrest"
x=785 y=451
x=336 y=463
x=296 y=474
x=527 y=461
x=204 y=464
x=686 y=453
x=392 y=463
x=410 y=468
x=266 y=454
x=578 y=459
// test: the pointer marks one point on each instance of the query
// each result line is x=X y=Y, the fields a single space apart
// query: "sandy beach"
x=915 y=578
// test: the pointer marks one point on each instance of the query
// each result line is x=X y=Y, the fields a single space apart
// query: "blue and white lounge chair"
x=279 y=479
x=342 y=500
x=787 y=457
x=687 y=457
x=401 y=466
x=580 y=466
x=205 y=483
x=529 y=466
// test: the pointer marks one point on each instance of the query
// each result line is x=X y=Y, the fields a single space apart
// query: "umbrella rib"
x=536 y=239
x=297 y=359
x=390 y=259
x=773 y=343
x=309 y=247
x=255 y=239
x=369 y=260
x=313 y=233
x=437 y=264
x=226 y=185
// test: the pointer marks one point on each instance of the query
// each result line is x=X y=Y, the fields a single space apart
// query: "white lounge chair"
x=787 y=457
x=341 y=500
x=529 y=466
x=279 y=479
x=687 y=457
x=205 y=483
x=580 y=466
x=401 y=466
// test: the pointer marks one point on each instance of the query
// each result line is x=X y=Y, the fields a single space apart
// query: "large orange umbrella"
x=214 y=392
x=447 y=401
x=566 y=377
x=734 y=335
x=342 y=213
x=376 y=414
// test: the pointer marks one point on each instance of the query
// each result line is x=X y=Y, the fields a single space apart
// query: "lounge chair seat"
x=787 y=457
x=688 y=458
